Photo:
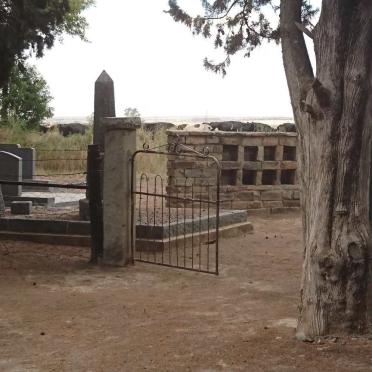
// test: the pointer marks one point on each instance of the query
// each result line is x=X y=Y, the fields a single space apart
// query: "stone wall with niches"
x=259 y=169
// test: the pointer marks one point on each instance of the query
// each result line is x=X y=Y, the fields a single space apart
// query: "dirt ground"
x=58 y=313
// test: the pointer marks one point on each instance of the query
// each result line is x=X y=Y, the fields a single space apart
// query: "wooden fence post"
x=94 y=180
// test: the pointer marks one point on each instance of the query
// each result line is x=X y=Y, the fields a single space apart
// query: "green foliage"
x=235 y=25
x=33 y=25
x=90 y=119
x=132 y=112
x=26 y=97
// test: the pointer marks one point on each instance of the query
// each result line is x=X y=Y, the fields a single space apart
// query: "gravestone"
x=10 y=170
x=9 y=146
x=28 y=156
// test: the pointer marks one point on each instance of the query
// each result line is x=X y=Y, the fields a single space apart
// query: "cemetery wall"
x=258 y=169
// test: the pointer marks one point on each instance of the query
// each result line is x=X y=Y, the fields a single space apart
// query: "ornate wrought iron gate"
x=175 y=215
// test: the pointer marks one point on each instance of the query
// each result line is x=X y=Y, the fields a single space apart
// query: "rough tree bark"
x=5 y=70
x=333 y=113
x=3 y=105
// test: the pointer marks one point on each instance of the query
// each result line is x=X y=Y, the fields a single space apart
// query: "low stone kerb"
x=182 y=133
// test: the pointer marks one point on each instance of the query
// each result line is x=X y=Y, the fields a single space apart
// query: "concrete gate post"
x=104 y=106
x=120 y=144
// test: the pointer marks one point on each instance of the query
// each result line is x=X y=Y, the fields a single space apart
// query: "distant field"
x=58 y=155
x=67 y=155
x=272 y=121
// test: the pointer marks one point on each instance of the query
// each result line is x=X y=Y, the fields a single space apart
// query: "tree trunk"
x=333 y=113
x=7 y=62
x=4 y=103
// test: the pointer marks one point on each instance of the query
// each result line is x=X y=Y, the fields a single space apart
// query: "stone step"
x=52 y=239
x=42 y=226
x=159 y=245
x=142 y=245
x=186 y=226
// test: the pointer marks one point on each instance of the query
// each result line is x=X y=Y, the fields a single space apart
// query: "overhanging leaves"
x=235 y=25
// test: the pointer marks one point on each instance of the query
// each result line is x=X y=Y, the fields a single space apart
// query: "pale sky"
x=157 y=67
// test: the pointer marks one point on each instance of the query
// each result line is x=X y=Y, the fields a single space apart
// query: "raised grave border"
x=77 y=233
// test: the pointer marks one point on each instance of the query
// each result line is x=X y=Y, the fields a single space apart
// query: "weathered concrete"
x=187 y=226
x=84 y=212
x=258 y=168
x=52 y=199
x=10 y=170
x=21 y=207
x=120 y=144
x=77 y=233
x=104 y=106
x=188 y=240
x=39 y=226
x=54 y=232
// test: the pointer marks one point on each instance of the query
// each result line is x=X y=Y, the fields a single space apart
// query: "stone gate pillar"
x=120 y=144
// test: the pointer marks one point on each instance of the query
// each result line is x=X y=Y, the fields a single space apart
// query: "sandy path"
x=57 y=313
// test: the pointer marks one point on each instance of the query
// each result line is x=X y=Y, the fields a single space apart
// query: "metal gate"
x=175 y=214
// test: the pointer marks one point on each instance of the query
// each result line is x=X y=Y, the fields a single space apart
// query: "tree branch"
x=306 y=31
x=298 y=69
x=225 y=15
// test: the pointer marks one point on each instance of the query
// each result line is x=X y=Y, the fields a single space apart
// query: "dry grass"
x=64 y=155
x=150 y=163
x=55 y=154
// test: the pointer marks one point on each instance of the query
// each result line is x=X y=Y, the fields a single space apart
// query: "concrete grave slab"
x=49 y=199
